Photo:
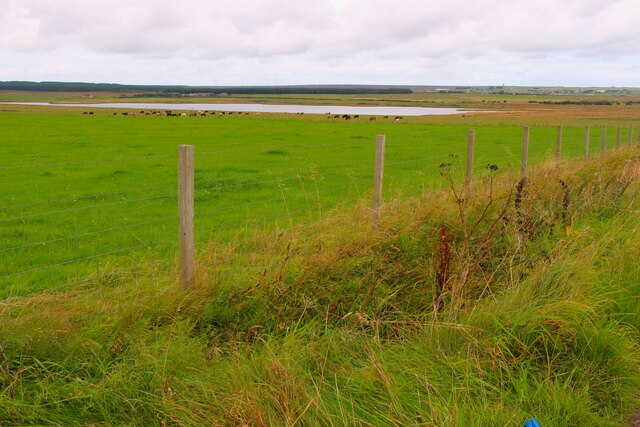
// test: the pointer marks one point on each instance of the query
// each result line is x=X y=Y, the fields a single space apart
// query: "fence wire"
x=296 y=194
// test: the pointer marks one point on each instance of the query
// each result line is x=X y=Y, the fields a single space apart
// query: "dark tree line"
x=162 y=91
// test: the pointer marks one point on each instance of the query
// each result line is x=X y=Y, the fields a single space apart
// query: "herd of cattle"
x=169 y=113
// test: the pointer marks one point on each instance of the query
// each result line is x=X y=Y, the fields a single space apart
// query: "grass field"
x=84 y=193
x=334 y=324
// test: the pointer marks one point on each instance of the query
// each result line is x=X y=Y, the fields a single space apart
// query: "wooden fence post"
x=587 y=140
x=525 y=155
x=618 y=137
x=186 y=245
x=559 y=146
x=604 y=141
x=471 y=140
x=377 y=181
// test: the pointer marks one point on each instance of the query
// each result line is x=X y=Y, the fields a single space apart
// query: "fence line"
x=146 y=189
x=220 y=208
x=292 y=205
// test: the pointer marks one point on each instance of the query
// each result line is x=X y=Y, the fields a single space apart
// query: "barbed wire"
x=77 y=260
x=120 y=202
x=91 y=233
x=86 y=197
x=197 y=183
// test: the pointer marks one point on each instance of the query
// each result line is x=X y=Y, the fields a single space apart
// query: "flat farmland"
x=84 y=195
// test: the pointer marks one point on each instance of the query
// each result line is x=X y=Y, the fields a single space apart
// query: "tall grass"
x=337 y=324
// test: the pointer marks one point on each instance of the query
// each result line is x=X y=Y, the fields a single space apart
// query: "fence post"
x=587 y=140
x=471 y=140
x=525 y=155
x=618 y=137
x=186 y=245
x=559 y=146
x=377 y=181
x=604 y=141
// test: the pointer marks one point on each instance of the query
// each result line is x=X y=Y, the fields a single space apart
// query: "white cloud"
x=293 y=41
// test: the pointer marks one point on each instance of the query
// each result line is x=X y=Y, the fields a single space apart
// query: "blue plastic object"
x=531 y=423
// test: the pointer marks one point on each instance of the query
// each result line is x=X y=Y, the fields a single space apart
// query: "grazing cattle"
x=336 y=117
x=115 y=113
x=125 y=113
x=84 y=113
x=222 y=113
x=183 y=114
x=356 y=116
x=346 y=117
x=386 y=117
x=398 y=118
x=141 y=111
x=91 y=113
x=193 y=114
x=372 y=119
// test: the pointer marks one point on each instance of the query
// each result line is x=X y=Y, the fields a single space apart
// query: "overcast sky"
x=267 y=42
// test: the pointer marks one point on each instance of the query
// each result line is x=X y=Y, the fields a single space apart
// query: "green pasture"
x=103 y=188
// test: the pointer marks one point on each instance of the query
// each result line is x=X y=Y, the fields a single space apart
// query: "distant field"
x=506 y=106
x=88 y=194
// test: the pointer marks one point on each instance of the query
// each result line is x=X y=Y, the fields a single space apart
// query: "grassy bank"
x=518 y=303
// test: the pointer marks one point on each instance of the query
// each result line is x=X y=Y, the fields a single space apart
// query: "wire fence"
x=56 y=230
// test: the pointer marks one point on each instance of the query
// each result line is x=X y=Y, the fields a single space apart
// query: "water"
x=269 y=108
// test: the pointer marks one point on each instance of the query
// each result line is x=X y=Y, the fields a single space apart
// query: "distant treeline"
x=165 y=91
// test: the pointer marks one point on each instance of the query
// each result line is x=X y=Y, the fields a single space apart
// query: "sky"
x=290 y=42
